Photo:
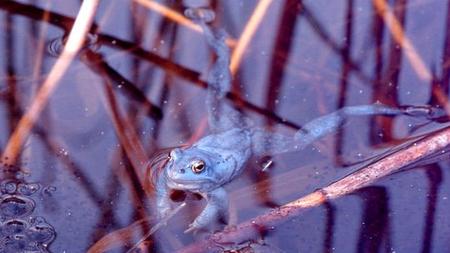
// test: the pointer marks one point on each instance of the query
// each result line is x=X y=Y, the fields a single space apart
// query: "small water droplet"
x=63 y=152
x=205 y=14
x=49 y=190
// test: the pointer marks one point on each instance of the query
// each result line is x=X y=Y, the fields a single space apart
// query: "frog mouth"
x=184 y=184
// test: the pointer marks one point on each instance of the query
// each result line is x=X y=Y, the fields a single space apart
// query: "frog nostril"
x=182 y=171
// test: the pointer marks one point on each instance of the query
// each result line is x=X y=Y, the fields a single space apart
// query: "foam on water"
x=20 y=231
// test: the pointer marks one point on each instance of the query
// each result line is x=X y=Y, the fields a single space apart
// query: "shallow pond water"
x=137 y=87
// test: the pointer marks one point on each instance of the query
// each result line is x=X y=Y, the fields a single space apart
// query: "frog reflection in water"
x=215 y=160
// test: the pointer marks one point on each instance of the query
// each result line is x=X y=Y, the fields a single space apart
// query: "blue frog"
x=216 y=159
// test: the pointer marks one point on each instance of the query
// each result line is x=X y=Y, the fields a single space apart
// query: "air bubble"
x=13 y=227
x=48 y=191
x=40 y=231
x=28 y=189
x=15 y=206
x=11 y=245
x=56 y=46
x=8 y=187
x=207 y=15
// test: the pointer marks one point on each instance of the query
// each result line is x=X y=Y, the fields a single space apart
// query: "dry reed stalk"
x=37 y=60
x=247 y=34
x=397 y=32
x=40 y=48
x=139 y=52
x=127 y=135
x=116 y=239
x=177 y=17
x=250 y=230
x=75 y=41
x=170 y=14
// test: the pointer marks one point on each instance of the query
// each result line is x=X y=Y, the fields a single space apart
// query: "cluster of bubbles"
x=19 y=230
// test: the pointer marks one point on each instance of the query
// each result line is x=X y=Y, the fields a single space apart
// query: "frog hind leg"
x=326 y=124
x=216 y=209
x=265 y=142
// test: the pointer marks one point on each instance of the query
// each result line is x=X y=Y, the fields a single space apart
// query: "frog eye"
x=198 y=166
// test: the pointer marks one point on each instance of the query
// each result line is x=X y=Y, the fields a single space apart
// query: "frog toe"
x=194 y=228
x=190 y=229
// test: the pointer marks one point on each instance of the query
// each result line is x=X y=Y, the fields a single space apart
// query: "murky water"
x=140 y=78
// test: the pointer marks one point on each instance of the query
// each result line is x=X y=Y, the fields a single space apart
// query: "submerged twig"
x=169 y=13
x=418 y=150
x=75 y=41
x=115 y=239
x=158 y=225
x=417 y=63
x=175 y=16
x=139 y=52
x=100 y=66
x=248 y=33
x=126 y=134
x=396 y=29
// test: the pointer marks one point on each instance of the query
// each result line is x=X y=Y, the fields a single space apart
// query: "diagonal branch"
x=75 y=41
x=250 y=28
x=96 y=62
x=402 y=158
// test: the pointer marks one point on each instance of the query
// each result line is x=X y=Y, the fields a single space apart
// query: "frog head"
x=197 y=170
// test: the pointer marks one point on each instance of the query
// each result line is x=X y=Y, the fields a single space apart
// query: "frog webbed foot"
x=207 y=219
x=215 y=210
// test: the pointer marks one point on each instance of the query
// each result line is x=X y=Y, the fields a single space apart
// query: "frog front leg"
x=216 y=207
x=162 y=197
